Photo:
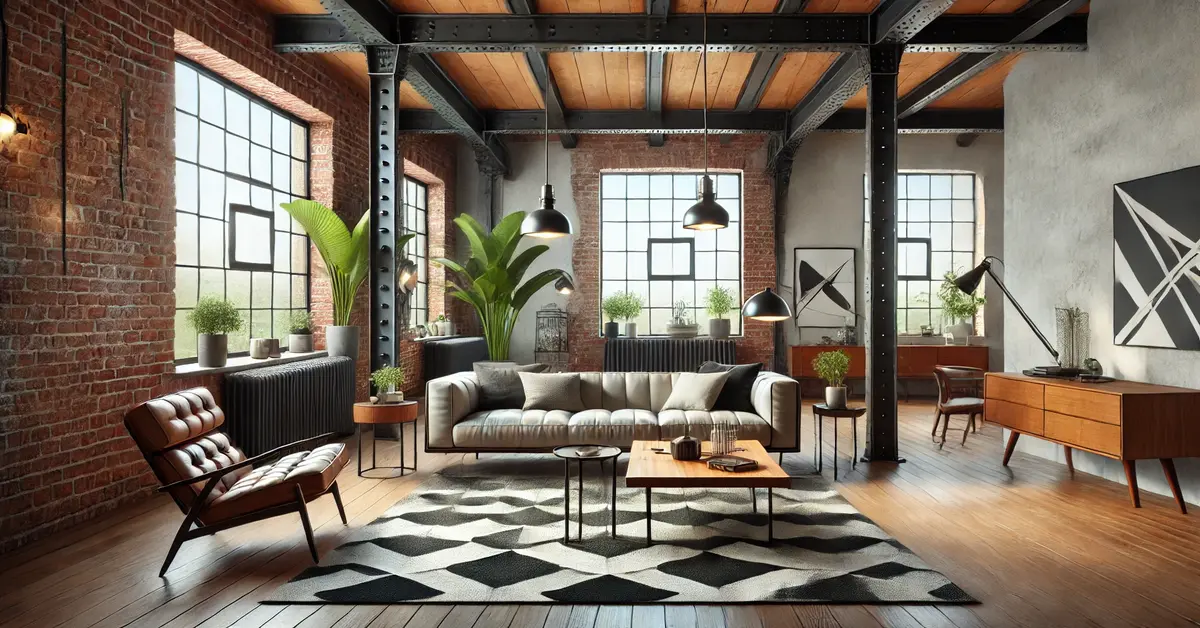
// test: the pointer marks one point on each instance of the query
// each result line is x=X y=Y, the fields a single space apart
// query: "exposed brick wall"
x=77 y=349
x=597 y=153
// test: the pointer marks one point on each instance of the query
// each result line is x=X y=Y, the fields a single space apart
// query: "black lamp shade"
x=406 y=276
x=706 y=214
x=767 y=306
x=564 y=285
x=546 y=222
x=969 y=281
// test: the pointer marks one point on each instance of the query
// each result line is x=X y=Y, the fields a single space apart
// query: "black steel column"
x=386 y=66
x=882 y=163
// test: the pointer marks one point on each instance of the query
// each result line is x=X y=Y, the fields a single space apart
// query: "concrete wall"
x=825 y=205
x=1075 y=125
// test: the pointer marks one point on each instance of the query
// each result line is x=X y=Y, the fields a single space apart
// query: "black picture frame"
x=797 y=255
x=234 y=264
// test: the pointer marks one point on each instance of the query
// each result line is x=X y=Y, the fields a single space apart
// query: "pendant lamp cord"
x=546 y=129
x=704 y=60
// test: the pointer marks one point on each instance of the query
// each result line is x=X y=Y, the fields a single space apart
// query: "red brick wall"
x=596 y=153
x=78 y=349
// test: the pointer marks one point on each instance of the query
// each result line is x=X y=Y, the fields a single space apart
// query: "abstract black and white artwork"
x=825 y=287
x=1156 y=261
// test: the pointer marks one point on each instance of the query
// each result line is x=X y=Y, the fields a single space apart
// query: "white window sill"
x=244 y=363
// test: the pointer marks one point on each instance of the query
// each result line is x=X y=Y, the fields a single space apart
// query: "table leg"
x=835 y=448
x=400 y=430
x=1131 y=477
x=580 y=499
x=1012 y=444
x=1168 y=466
x=358 y=434
x=374 y=439
x=754 y=500
x=566 y=501
x=613 y=508
x=820 y=443
x=817 y=439
x=648 y=541
x=771 y=512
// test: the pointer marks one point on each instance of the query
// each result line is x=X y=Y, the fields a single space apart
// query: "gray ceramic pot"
x=835 y=397
x=299 y=343
x=212 y=350
x=612 y=330
x=342 y=340
x=718 y=328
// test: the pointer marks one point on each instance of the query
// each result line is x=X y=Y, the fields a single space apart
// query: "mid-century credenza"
x=912 y=361
x=1122 y=420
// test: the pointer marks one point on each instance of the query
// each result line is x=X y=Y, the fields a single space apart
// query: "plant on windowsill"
x=832 y=366
x=625 y=306
x=958 y=307
x=387 y=380
x=213 y=318
x=300 y=331
x=682 y=325
x=491 y=278
x=719 y=302
x=611 y=306
x=345 y=255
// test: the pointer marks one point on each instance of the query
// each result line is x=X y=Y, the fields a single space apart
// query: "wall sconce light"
x=10 y=125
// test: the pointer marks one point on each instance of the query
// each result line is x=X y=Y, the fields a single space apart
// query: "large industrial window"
x=416 y=196
x=936 y=235
x=644 y=248
x=236 y=159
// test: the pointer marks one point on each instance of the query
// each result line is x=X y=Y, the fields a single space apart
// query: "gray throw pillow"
x=736 y=393
x=500 y=386
x=552 y=391
x=695 y=391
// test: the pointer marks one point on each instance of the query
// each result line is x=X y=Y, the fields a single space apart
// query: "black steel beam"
x=386 y=66
x=428 y=79
x=840 y=82
x=897 y=21
x=882 y=167
x=313 y=33
x=765 y=64
x=655 y=74
x=926 y=122
x=998 y=33
x=369 y=22
x=540 y=67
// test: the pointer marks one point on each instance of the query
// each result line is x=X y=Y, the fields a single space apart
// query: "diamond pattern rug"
x=481 y=538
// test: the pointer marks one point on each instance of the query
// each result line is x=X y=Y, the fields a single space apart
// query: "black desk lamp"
x=969 y=281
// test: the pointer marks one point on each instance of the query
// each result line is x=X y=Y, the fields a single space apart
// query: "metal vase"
x=835 y=397
x=212 y=350
x=718 y=328
x=342 y=340
x=300 y=343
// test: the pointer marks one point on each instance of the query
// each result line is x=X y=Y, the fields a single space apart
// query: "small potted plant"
x=631 y=308
x=959 y=308
x=387 y=380
x=832 y=367
x=300 y=332
x=681 y=325
x=719 y=302
x=612 y=308
x=213 y=318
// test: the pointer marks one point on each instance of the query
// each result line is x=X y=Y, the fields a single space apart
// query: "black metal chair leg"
x=337 y=499
x=308 y=531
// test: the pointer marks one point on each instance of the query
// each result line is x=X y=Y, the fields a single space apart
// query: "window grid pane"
x=637 y=208
x=415 y=216
x=232 y=161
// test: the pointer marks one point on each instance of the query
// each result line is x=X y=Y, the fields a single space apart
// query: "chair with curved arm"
x=958 y=393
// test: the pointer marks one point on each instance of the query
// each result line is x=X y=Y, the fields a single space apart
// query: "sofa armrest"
x=776 y=398
x=447 y=401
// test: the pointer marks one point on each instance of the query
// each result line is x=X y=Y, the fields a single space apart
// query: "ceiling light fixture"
x=546 y=222
x=767 y=306
x=706 y=214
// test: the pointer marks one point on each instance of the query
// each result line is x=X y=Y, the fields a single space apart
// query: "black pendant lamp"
x=546 y=222
x=767 y=306
x=706 y=214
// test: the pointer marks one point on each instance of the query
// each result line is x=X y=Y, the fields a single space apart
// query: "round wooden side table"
x=820 y=411
x=373 y=414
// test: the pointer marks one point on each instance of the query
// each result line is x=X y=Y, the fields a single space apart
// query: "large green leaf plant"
x=491 y=278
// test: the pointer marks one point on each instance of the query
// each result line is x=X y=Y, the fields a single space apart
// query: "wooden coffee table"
x=650 y=470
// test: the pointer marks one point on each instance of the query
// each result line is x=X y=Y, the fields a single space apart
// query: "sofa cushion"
x=698 y=423
x=604 y=427
x=695 y=391
x=512 y=429
x=499 y=384
x=735 y=394
x=552 y=391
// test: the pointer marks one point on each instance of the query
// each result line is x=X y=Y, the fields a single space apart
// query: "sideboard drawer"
x=1024 y=393
x=1096 y=406
x=1093 y=435
x=1013 y=415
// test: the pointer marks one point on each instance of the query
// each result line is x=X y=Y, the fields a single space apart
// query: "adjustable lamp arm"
x=969 y=281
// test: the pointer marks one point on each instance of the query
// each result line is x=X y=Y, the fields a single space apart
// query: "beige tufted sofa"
x=622 y=408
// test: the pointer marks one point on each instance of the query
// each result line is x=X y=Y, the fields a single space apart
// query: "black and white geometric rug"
x=499 y=539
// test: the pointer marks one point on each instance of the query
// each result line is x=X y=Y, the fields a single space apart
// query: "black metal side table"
x=573 y=452
x=820 y=411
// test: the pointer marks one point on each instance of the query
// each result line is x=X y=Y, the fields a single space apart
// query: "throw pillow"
x=695 y=391
x=500 y=386
x=735 y=395
x=552 y=391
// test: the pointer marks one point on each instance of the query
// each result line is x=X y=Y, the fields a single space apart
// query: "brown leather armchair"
x=215 y=485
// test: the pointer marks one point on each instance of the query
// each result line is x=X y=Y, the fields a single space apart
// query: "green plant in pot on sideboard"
x=300 y=331
x=345 y=254
x=832 y=366
x=959 y=307
x=213 y=318
x=387 y=381
x=492 y=280
x=682 y=325
x=719 y=302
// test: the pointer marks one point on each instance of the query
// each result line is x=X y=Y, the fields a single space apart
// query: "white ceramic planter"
x=835 y=397
x=300 y=343
x=631 y=330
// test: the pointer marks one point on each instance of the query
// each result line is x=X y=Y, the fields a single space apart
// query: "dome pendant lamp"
x=707 y=214
x=546 y=222
x=767 y=306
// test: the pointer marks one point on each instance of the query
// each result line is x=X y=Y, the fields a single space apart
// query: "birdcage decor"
x=550 y=343
x=1072 y=327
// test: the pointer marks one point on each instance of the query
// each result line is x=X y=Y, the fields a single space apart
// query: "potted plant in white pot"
x=958 y=307
x=300 y=332
x=345 y=255
x=719 y=302
x=630 y=307
x=832 y=366
x=612 y=308
x=682 y=325
x=213 y=318
x=387 y=380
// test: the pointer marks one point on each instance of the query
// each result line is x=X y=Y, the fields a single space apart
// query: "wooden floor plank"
x=394 y=616
x=530 y=616
x=583 y=617
x=813 y=616
x=497 y=616
x=462 y=616
x=649 y=617
x=614 y=617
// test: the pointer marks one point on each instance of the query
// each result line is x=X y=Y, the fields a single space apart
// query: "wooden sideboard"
x=1122 y=420
x=912 y=361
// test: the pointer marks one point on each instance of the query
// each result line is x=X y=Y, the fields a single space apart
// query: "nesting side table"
x=366 y=413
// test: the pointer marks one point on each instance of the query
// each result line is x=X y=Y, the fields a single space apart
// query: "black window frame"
x=690 y=276
x=234 y=264
x=418 y=301
x=927 y=242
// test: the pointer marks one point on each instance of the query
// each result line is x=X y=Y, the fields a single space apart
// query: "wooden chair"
x=958 y=393
x=215 y=485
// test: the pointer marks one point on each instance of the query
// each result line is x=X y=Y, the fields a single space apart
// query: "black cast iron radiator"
x=665 y=354
x=276 y=405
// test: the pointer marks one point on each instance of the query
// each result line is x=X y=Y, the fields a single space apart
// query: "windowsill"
x=429 y=338
x=244 y=363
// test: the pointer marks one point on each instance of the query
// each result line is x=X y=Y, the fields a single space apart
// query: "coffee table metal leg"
x=754 y=500
x=648 y=541
x=400 y=434
x=374 y=439
x=854 y=431
x=358 y=433
x=771 y=515
x=566 y=501
x=580 y=500
x=835 y=448
x=613 y=508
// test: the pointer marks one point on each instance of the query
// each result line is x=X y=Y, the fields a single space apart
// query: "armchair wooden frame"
x=194 y=510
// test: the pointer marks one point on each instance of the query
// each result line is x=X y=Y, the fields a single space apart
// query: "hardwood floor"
x=1036 y=546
